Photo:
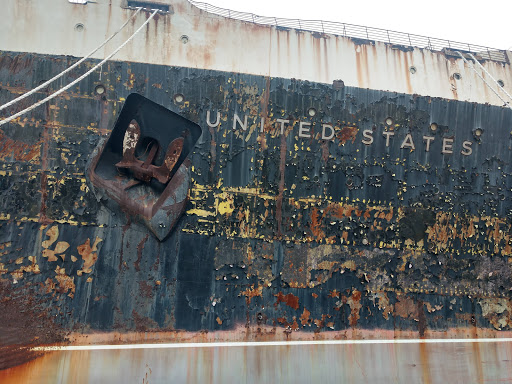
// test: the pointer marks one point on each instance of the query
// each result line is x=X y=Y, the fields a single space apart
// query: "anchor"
x=143 y=168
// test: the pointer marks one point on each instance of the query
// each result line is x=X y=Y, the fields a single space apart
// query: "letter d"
x=324 y=137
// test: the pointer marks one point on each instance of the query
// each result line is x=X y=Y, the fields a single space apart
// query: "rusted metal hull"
x=282 y=230
x=313 y=211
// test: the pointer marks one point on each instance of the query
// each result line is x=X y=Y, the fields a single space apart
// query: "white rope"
x=55 y=94
x=70 y=68
x=488 y=74
x=481 y=77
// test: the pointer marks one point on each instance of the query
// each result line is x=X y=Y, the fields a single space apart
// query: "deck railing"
x=360 y=32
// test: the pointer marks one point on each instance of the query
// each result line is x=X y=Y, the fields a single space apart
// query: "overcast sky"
x=484 y=23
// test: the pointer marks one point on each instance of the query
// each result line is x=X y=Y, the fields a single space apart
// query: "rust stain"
x=406 y=307
x=24 y=323
x=18 y=150
x=422 y=319
x=18 y=64
x=304 y=318
x=290 y=300
x=498 y=311
x=140 y=247
x=316 y=224
x=279 y=200
x=49 y=285
x=143 y=323
x=384 y=304
x=145 y=289
x=251 y=292
x=425 y=364
x=354 y=302
x=44 y=168
x=89 y=255
x=325 y=151
x=66 y=283
x=213 y=150
x=360 y=66
x=320 y=323
x=346 y=134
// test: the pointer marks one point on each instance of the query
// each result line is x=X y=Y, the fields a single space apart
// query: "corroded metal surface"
x=312 y=207
x=217 y=43
x=143 y=166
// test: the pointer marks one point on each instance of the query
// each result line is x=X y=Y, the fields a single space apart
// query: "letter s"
x=368 y=137
x=467 y=148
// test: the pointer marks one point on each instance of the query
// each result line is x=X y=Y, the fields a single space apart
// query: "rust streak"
x=44 y=165
x=279 y=200
x=140 y=248
x=290 y=300
x=17 y=150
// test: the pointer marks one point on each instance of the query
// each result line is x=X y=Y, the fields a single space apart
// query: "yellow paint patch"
x=226 y=207
x=350 y=264
x=200 y=212
x=53 y=234
x=61 y=247
x=49 y=254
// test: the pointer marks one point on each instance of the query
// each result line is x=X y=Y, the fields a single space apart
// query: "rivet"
x=99 y=90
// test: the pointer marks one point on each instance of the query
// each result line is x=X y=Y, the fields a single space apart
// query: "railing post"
x=377 y=32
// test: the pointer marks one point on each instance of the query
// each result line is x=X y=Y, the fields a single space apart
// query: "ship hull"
x=339 y=216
